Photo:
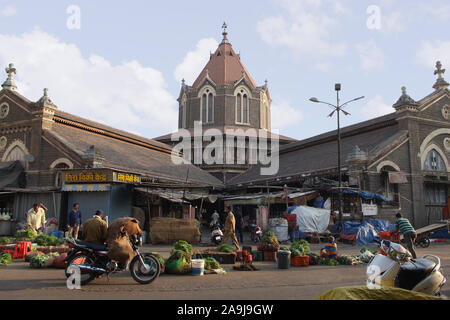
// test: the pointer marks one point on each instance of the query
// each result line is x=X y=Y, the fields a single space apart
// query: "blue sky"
x=123 y=65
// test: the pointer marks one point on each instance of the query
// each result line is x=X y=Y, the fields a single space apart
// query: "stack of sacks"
x=119 y=246
x=170 y=230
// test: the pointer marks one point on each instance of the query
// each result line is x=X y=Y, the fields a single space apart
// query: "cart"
x=423 y=234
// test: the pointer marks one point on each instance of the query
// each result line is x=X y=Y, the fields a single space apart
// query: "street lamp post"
x=338 y=108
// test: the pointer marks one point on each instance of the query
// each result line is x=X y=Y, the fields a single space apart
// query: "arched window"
x=242 y=106
x=207 y=106
x=434 y=162
x=16 y=153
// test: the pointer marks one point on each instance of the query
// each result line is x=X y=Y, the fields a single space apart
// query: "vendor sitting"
x=329 y=251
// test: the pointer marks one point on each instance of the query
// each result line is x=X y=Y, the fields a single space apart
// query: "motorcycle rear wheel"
x=424 y=243
x=139 y=274
x=81 y=259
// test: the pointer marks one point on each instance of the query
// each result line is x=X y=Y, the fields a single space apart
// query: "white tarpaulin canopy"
x=311 y=219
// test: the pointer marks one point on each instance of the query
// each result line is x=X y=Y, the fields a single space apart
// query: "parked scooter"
x=216 y=233
x=255 y=232
x=393 y=267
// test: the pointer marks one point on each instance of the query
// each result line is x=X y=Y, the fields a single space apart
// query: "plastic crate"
x=302 y=261
x=270 y=256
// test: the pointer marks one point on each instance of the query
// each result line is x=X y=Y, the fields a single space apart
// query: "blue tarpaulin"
x=441 y=234
x=366 y=195
x=367 y=231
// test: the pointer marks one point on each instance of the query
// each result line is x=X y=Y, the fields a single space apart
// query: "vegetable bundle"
x=183 y=246
x=46 y=240
x=27 y=233
x=39 y=261
x=5 y=259
x=300 y=248
x=328 y=262
x=6 y=240
x=225 y=248
x=211 y=264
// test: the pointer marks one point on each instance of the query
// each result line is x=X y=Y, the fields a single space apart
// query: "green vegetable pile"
x=39 y=261
x=46 y=240
x=183 y=246
x=270 y=241
x=328 y=262
x=211 y=264
x=284 y=247
x=6 y=240
x=27 y=233
x=349 y=260
x=160 y=259
x=225 y=248
x=365 y=248
x=313 y=259
x=5 y=259
x=300 y=248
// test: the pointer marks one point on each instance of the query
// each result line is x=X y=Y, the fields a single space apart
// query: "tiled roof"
x=224 y=67
x=320 y=153
x=130 y=157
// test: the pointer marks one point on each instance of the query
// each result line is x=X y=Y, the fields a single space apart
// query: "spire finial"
x=224 y=33
x=9 y=83
x=46 y=92
x=440 y=82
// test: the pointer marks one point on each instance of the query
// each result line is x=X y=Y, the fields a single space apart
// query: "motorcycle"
x=393 y=267
x=216 y=233
x=93 y=261
x=255 y=232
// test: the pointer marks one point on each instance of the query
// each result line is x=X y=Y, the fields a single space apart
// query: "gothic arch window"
x=207 y=105
x=15 y=151
x=434 y=162
x=242 y=106
x=61 y=163
x=390 y=190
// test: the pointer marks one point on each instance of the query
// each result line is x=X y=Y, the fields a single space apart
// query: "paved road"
x=18 y=281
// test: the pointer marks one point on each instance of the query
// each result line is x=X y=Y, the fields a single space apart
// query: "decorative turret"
x=9 y=83
x=440 y=82
x=405 y=102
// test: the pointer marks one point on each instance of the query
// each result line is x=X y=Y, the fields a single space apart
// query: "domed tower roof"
x=224 y=66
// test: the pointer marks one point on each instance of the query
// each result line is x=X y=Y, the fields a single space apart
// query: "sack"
x=59 y=261
x=120 y=250
x=178 y=266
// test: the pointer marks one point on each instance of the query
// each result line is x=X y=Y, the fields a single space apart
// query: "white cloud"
x=305 y=27
x=376 y=108
x=195 y=60
x=370 y=55
x=432 y=51
x=8 y=11
x=128 y=95
x=283 y=115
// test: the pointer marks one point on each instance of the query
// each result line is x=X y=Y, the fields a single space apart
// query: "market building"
x=402 y=156
x=225 y=100
x=56 y=158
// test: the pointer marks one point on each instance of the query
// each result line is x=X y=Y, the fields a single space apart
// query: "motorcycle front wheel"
x=144 y=274
x=81 y=259
x=424 y=243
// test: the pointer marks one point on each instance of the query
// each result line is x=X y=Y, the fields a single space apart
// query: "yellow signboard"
x=126 y=177
x=86 y=177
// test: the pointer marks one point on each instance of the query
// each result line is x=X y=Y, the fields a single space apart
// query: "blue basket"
x=56 y=233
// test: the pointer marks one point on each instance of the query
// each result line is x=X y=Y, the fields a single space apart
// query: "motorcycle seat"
x=95 y=246
x=412 y=272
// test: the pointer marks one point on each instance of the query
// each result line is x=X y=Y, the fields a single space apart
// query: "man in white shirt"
x=36 y=217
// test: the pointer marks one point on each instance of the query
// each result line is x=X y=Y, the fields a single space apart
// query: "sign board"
x=397 y=177
x=126 y=177
x=85 y=176
x=369 y=209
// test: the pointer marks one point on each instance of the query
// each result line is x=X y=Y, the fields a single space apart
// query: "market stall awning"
x=177 y=195
x=85 y=187
x=257 y=198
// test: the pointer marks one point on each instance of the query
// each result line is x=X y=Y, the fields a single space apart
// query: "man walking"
x=95 y=229
x=409 y=234
x=230 y=225
x=240 y=226
x=74 y=221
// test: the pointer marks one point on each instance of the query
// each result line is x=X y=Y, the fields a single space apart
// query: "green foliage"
x=5 y=259
x=284 y=247
x=160 y=259
x=225 y=248
x=300 y=248
x=6 y=240
x=39 y=261
x=211 y=263
x=270 y=238
x=46 y=240
x=183 y=246
x=328 y=262
x=27 y=233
